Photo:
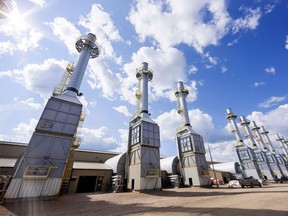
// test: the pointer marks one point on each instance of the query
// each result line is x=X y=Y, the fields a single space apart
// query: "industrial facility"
x=51 y=164
x=255 y=159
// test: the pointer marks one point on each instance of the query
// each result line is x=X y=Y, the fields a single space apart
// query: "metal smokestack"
x=234 y=128
x=144 y=74
x=264 y=133
x=281 y=142
x=87 y=47
x=181 y=93
x=259 y=138
x=245 y=124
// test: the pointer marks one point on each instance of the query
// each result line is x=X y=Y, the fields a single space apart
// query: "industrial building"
x=93 y=171
x=256 y=159
x=51 y=163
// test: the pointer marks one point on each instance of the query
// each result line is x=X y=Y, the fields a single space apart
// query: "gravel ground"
x=269 y=200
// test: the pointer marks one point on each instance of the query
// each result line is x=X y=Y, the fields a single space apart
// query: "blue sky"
x=228 y=53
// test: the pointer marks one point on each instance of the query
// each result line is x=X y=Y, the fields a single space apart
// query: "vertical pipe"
x=231 y=118
x=144 y=90
x=264 y=133
x=144 y=75
x=80 y=68
x=244 y=122
x=282 y=144
x=87 y=47
x=259 y=138
x=182 y=94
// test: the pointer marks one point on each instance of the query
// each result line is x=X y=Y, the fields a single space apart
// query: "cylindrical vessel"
x=87 y=48
x=144 y=75
x=245 y=123
x=144 y=90
x=231 y=117
x=281 y=143
x=182 y=99
x=265 y=134
x=255 y=128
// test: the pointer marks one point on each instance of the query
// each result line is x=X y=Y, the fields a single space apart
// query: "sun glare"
x=16 y=19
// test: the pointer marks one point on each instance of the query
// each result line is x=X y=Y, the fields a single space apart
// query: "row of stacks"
x=45 y=167
x=255 y=158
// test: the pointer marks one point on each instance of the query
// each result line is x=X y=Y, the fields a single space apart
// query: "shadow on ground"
x=81 y=204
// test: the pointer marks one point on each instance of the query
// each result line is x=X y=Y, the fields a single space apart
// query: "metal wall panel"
x=51 y=187
x=12 y=192
x=31 y=188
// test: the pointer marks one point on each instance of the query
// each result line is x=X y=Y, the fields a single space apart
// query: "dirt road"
x=269 y=200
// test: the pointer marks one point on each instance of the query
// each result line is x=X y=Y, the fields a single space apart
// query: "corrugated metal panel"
x=31 y=188
x=93 y=166
x=13 y=188
x=7 y=162
x=51 y=187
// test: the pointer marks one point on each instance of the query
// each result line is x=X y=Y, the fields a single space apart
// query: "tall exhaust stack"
x=261 y=156
x=191 y=149
x=279 y=161
x=268 y=142
x=281 y=142
x=245 y=154
x=259 y=138
x=181 y=93
x=271 y=157
x=231 y=117
x=40 y=171
x=87 y=47
x=143 y=154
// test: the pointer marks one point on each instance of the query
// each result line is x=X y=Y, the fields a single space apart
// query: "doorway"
x=190 y=182
x=86 y=184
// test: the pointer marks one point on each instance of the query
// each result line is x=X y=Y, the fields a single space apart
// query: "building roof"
x=10 y=162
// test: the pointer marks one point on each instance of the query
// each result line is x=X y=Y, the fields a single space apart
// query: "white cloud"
x=40 y=3
x=85 y=103
x=23 y=36
x=181 y=22
x=97 y=138
x=271 y=70
x=122 y=146
x=286 y=43
x=269 y=7
x=99 y=22
x=258 y=84
x=170 y=121
x=103 y=79
x=193 y=69
x=38 y=78
x=250 y=21
x=30 y=103
x=272 y=101
x=66 y=32
x=274 y=121
x=7 y=47
x=222 y=151
x=123 y=110
x=24 y=131
x=235 y=41
x=223 y=69
x=30 y=42
x=168 y=67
